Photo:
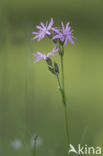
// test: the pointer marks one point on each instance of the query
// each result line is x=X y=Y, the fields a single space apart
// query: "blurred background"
x=30 y=103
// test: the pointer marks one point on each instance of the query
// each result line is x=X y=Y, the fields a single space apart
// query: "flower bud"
x=60 y=53
x=55 y=41
x=51 y=69
x=56 y=68
x=49 y=61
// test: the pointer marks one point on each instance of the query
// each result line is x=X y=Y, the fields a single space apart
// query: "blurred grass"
x=29 y=101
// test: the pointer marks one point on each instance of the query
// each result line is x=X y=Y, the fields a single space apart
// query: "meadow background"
x=29 y=101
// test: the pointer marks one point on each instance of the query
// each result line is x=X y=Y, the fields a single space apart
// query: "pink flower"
x=39 y=56
x=64 y=34
x=43 y=30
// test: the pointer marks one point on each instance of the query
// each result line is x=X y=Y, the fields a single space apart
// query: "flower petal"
x=56 y=30
x=52 y=52
x=67 y=25
x=42 y=24
x=62 y=26
x=34 y=33
x=50 y=24
x=35 y=37
x=65 y=43
x=72 y=42
x=56 y=37
x=39 y=27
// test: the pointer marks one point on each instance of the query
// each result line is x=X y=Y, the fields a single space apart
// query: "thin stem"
x=34 y=153
x=62 y=90
x=58 y=81
x=35 y=142
x=64 y=99
x=65 y=111
x=62 y=68
x=67 y=129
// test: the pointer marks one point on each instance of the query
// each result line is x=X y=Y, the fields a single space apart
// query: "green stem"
x=62 y=91
x=34 y=153
x=59 y=82
x=65 y=112
x=35 y=141
x=64 y=100
x=62 y=68
x=67 y=129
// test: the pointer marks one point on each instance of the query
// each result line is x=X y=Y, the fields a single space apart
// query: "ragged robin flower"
x=39 y=56
x=64 y=34
x=43 y=30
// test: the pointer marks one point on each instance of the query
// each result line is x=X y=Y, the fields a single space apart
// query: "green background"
x=30 y=103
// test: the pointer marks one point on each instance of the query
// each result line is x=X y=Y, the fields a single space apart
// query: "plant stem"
x=34 y=153
x=67 y=129
x=35 y=141
x=64 y=100
x=59 y=82
x=62 y=68
x=62 y=91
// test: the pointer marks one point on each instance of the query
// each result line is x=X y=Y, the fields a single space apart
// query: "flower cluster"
x=60 y=36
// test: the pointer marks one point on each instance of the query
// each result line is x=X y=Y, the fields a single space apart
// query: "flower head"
x=64 y=34
x=43 y=30
x=39 y=56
